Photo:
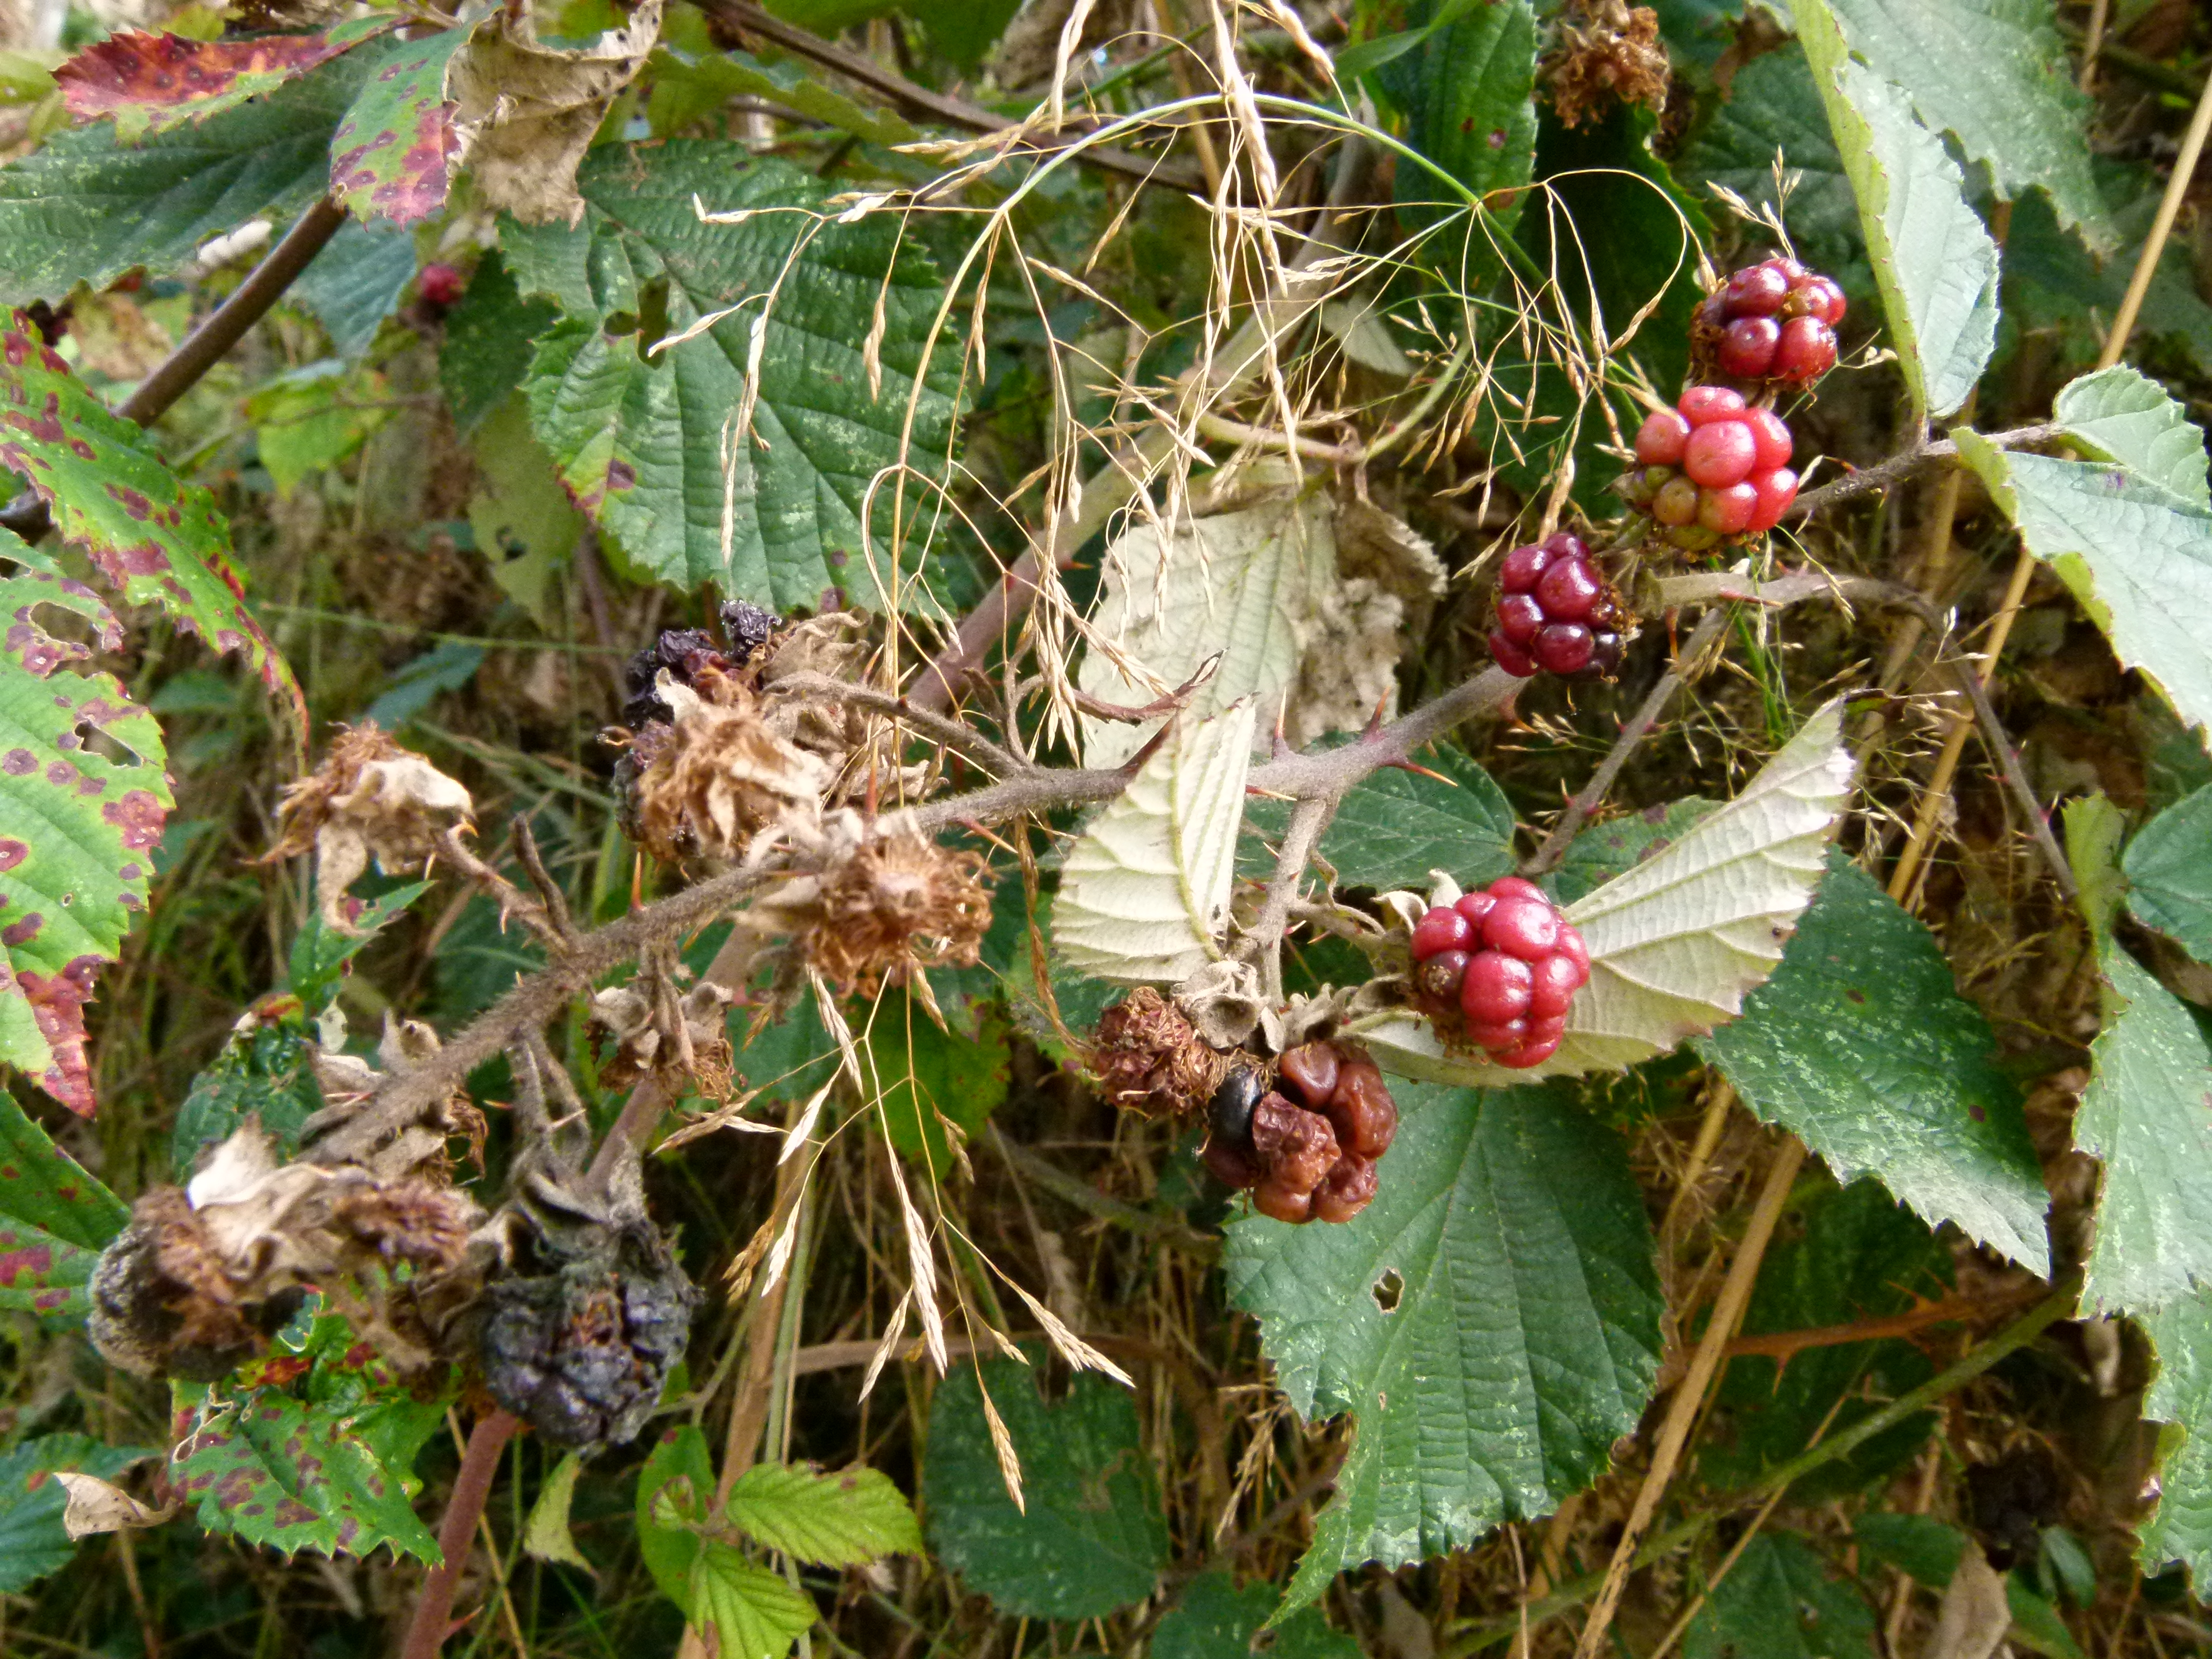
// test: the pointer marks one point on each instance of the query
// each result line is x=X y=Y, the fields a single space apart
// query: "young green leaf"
x=2137 y=555
x=1995 y=74
x=638 y=430
x=754 y=1613
x=1781 y=1603
x=55 y=1220
x=32 y=1542
x=671 y=1553
x=1933 y=260
x=1143 y=893
x=1491 y=1320
x=1862 y=1046
x=546 y=1536
x=152 y=82
x=2169 y=871
x=159 y=540
x=1090 y=1540
x=2122 y=414
x=77 y=829
x=391 y=156
x=1393 y=827
x=1467 y=93
x=1677 y=941
x=2180 y=1400
x=837 y=1520
x=1217 y=1620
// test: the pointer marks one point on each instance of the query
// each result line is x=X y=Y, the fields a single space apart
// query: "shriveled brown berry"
x=1149 y=1061
x=1346 y=1190
x=1295 y=1147
x=1281 y=1203
x=1311 y=1070
x=1229 y=1163
x=1361 y=1111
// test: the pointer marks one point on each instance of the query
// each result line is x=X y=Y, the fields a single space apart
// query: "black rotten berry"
x=1771 y=323
x=1714 y=469
x=1556 y=613
x=1305 y=1148
x=1496 y=971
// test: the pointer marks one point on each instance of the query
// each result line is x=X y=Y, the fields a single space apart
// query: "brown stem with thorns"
x=426 y=1629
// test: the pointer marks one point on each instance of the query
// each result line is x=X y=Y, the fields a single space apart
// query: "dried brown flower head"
x=1605 y=51
x=894 y=903
x=720 y=776
x=370 y=799
x=1149 y=1059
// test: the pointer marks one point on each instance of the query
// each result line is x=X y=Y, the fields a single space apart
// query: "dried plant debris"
x=894 y=903
x=720 y=779
x=579 y=1335
x=655 y=1028
x=1150 y=1059
x=370 y=799
x=1605 y=51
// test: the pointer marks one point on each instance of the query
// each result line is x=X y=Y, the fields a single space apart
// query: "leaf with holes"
x=641 y=436
x=2169 y=871
x=1492 y=1322
x=86 y=207
x=152 y=82
x=32 y=1541
x=837 y=1520
x=77 y=829
x=391 y=156
x=1933 y=260
x=313 y=1449
x=1678 y=941
x=1143 y=893
x=55 y=1220
x=1862 y=1048
x=1393 y=827
x=159 y=539
x=1089 y=1540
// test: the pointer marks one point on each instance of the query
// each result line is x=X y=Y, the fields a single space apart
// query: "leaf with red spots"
x=151 y=83
x=54 y=1220
x=390 y=155
x=158 y=538
x=322 y=1461
x=77 y=829
x=32 y=1541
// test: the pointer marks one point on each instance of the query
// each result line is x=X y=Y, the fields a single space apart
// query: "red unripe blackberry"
x=1829 y=304
x=1564 y=649
x=1531 y=1052
x=1442 y=929
x=1746 y=349
x=1777 y=490
x=1659 y=441
x=1496 y=1038
x=1476 y=906
x=1494 y=988
x=1557 y=612
x=1513 y=658
x=1719 y=455
x=1805 y=351
x=1729 y=512
x=1570 y=591
x=1439 y=975
x=1520 y=617
x=1506 y=887
x=1552 y=985
x=1518 y=571
x=1772 y=444
x=1701 y=405
x=1525 y=927
x=439 y=285
x=1755 y=291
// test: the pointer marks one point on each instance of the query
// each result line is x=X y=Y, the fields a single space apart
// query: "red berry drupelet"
x=1496 y=971
x=1714 y=469
x=1306 y=1148
x=1773 y=323
x=1556 y=613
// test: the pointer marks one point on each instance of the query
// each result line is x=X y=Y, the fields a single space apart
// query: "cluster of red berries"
x=1502 y=964
x=1306 y=1148
x=1713 y=469
x=1556 y=612
x=441 y=286
x=1774 y=321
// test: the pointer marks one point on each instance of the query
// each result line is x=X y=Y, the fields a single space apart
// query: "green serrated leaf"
x=87 y=208
x=1217 y=1620
x=639 y=438
x=756 y=1614
x=2138 y=556
x=313 y=1450
x=490 y=337
x=2120 y=414
x=2145 y=1115
x=77 y=829
x=1925 y=1549
x=1467 y=96
x=32 y=1540
x=927 y=1077
x=390 y=155
x=1933 y=260
x=671 y=1551
x=320 y=953
x=1392 y=827
x=1618 y=845
x=1781 y=1603
x=1090 y=1540
x=1995 y=74
x=159 y=539
x=2169 y=871
x=1861 y=1046
x=2180 y=1399
x=150 y=82
x=55 y=1220
x=838 y=1520
x=266 y=1070
x=1491 y=1320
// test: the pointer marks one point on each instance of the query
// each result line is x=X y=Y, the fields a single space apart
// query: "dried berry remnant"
x=1557 y=614
x=1149 y=1059
x=1714 y=469
x=721 y=777
x=689 y=654
x=370 y=799
x=1770 y=325
x=1496 y=970
x=894 y=905
x=749 y=628
x=1605 y=51
x=1306 y=1148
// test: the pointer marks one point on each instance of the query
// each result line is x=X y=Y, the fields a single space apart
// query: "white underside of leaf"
x=1678 y=942
x=1144 y=890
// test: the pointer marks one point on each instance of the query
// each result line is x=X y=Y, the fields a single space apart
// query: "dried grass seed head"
x=893 y=903
x=370 y=799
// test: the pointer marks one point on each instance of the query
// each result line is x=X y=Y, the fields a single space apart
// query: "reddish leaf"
x=150 y=82
x=160 y=539
x=391 y=154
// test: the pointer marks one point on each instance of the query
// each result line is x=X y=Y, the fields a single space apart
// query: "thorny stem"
x=1906 y=463
x=426 y=1629
x=1264 y=938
